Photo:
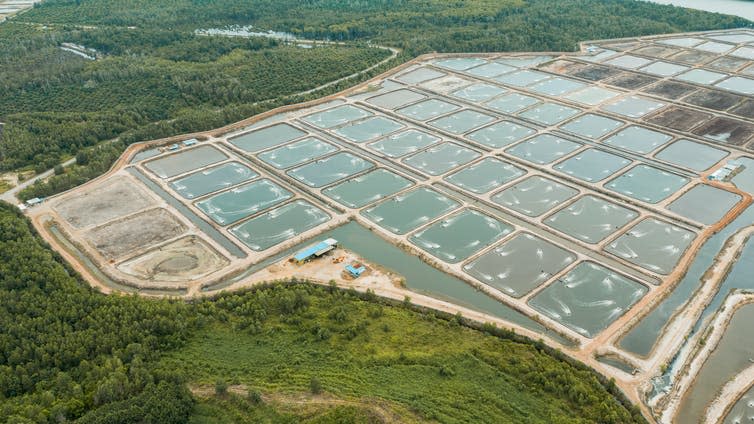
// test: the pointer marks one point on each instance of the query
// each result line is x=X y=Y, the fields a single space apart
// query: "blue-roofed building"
x=190 y=142
x=355 y=270
x=315 y=251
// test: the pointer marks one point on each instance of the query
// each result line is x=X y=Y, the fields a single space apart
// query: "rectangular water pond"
x=549 y=113
x=185 y=161
x=478 y=92
x=500 y=134
x=460 y=63
x=461 y=122
x=368 y=188
x=511 y=103
x=633 y=106
x=420 y=75
x=523 y=78
x=330 y=169
x=638 y=139
x=261 y=139
x=534 y=196
x=705 y=204
x=692 y=155
x=396 y=99
x=279 y=225
x=403 y=143
x=591 y=219
x=297 y=153
x=592 y=165
x=520 y=264
x=652 y=244
x=409 y=211
x=337 y=116
x=238 y=203
x=485 y=175
x=212 y=179
x=543 y=149
x=459 y=236
x=589 y=298
x=442 y=158
x=745 y=179
x=557 y=86
x=490 y=70
x=647 y=183
x=591 y=125
x=427 y=109
x=369 y=129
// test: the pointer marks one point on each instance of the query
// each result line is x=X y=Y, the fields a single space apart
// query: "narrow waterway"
x=643 y=337
x=732 y=355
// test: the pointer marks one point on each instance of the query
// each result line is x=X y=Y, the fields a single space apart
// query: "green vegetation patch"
x=67 y=352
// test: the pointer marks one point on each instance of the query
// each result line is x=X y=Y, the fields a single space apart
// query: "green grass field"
x=277 y=340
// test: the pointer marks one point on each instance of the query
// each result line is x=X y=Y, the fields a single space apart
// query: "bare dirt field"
x=184 y=259
x=125 y=236
x=113 y=199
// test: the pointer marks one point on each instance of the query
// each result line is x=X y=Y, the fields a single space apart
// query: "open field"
x=571 y=188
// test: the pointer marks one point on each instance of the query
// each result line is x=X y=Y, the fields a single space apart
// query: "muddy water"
x=743 y=410
x=642 y=338
x=731 y=356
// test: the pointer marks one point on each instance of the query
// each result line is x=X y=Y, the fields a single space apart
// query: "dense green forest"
x=56 y=103
x=68 y=353
x=155 y=77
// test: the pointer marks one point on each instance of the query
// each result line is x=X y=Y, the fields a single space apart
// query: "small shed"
x=315 y=251
x=355 y=270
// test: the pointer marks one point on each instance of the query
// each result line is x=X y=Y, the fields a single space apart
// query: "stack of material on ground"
x=315 y=251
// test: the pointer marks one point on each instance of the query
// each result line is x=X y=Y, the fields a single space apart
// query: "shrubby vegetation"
x=67 y=353
x=156 y=78
x=68 y=103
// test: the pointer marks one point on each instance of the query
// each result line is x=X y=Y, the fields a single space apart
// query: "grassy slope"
x=435 y=368
x=68 y=352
